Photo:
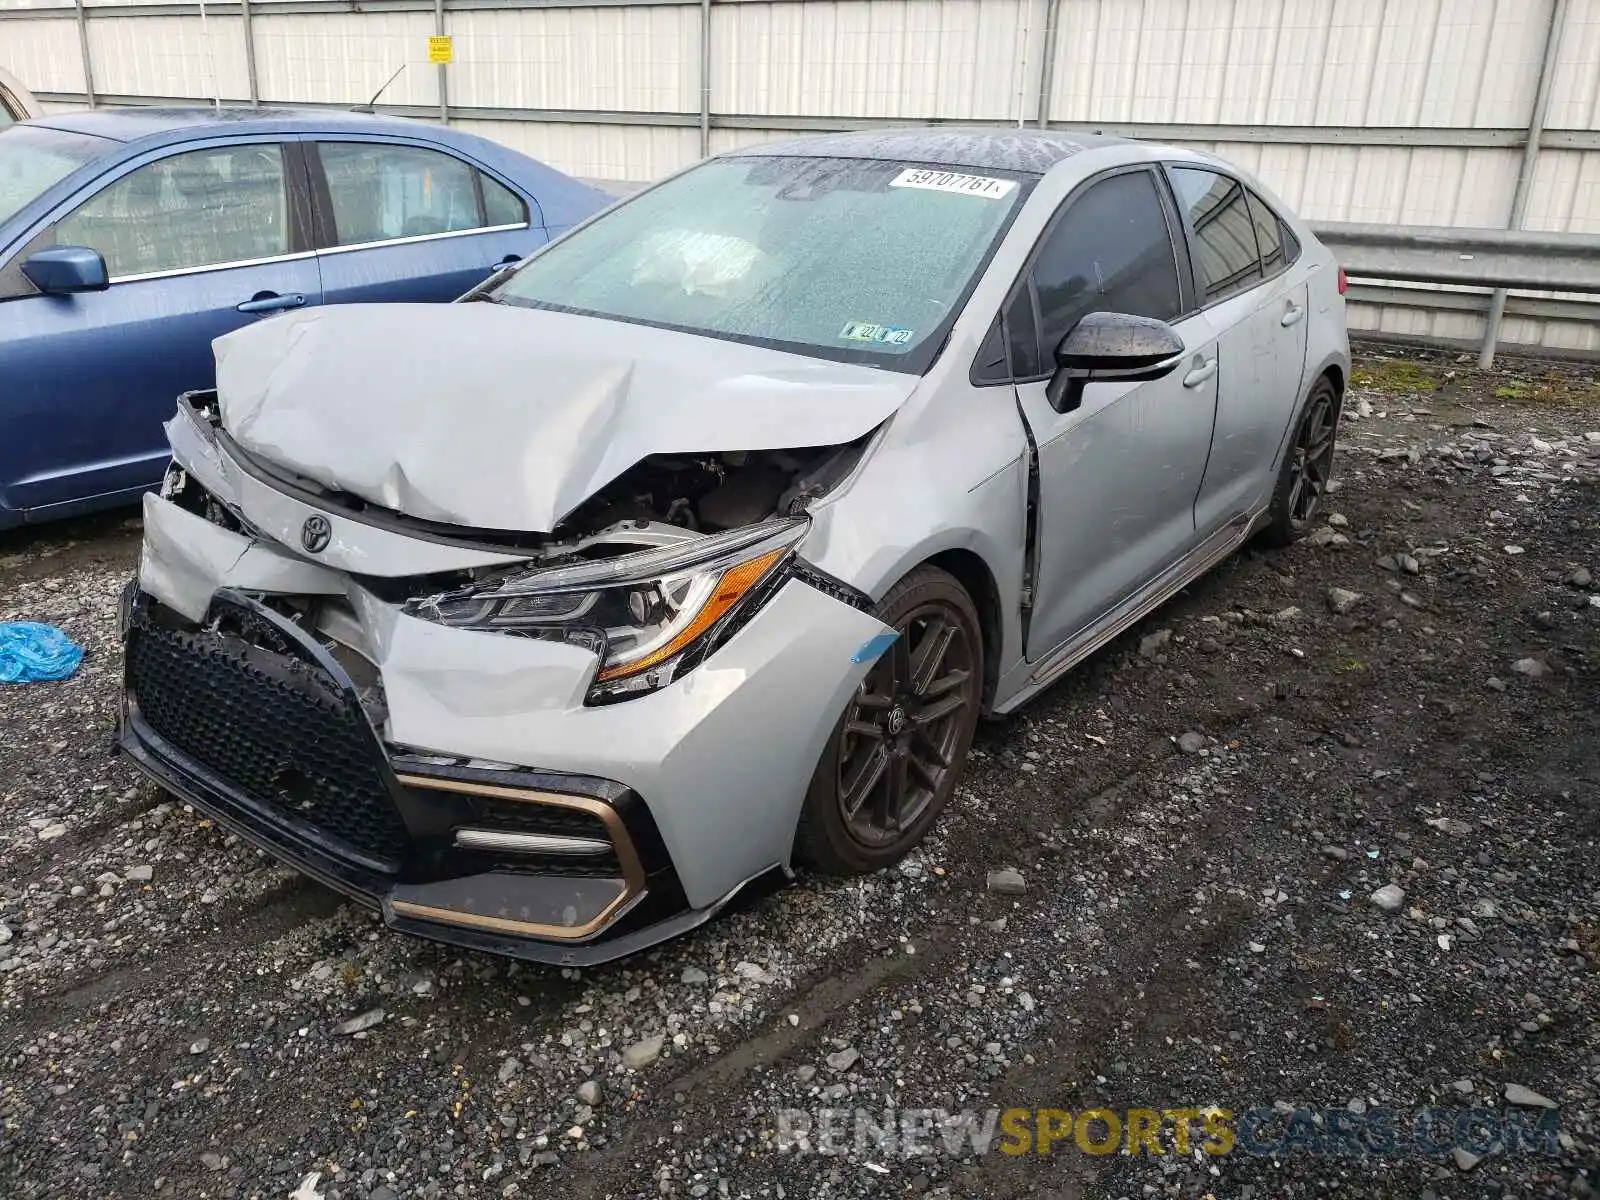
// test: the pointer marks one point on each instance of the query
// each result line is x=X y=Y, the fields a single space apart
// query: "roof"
x=1000 y=148
x=180 y=124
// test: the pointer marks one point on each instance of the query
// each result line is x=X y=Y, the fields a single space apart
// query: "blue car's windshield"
x=856 y=259
x=33 y=157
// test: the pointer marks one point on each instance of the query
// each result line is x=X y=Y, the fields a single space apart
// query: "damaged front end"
x=432 y=719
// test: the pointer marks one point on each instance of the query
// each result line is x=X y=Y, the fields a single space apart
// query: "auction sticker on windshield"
x=949 y=181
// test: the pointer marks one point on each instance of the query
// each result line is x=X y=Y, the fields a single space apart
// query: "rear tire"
x=895 y=755
x=1307 y=467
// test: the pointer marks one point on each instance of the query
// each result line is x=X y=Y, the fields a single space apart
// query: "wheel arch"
x=969 y=569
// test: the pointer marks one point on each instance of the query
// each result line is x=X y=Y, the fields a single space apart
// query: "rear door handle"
x=1292 y=313
x=1206 y=369
x=271 y=302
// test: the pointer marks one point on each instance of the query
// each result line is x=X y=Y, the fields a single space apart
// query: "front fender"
x=907 y=506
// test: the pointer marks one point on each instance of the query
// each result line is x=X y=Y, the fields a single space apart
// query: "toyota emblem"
x=315 y=534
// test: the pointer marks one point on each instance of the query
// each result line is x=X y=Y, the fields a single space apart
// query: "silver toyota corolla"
x=695 y=546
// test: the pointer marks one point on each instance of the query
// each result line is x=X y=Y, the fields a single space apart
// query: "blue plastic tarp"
x=31 y=652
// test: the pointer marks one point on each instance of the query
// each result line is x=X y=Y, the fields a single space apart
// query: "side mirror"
x=62 y=270
x=1107 y=346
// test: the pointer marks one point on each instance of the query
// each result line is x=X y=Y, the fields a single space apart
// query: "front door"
x=1118 y=474
x=197 y=245
x=412 y=223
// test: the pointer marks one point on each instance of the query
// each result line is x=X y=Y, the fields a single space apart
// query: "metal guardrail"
x=1498 y=259
x=1555 y=262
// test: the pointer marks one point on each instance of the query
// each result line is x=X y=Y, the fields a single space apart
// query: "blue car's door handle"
x=272 y=302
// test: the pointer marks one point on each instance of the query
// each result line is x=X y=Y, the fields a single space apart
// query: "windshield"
x=33 y=157
x=853 y=259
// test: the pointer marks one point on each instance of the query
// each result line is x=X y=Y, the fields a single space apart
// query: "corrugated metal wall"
x=1391 y=111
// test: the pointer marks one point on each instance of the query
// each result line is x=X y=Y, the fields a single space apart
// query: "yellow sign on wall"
x=441 y=50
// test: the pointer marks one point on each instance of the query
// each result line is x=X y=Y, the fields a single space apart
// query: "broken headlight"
x=648 y=616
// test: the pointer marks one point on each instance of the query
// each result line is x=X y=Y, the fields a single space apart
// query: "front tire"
x=1307 y=468
x=897 y=751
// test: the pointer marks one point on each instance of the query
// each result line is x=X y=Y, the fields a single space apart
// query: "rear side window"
x=1111 y=251
x=380 y=192
x=501 y=206
x=1224 y=231
x=1291 y=245
x=200 y=209
x=1269 y=234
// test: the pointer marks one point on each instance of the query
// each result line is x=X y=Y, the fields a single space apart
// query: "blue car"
x=130 y=238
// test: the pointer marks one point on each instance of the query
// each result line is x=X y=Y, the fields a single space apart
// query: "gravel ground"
x=1197 y=822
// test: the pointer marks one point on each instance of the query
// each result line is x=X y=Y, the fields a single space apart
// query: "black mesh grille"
x=275 y=726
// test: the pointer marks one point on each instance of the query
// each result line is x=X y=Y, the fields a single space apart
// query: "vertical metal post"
x=705 y=78
x=1530 y=159
x=444 y=90
x=1047 y=67
x=211 y=58
x=83 y=47
x=249 y=53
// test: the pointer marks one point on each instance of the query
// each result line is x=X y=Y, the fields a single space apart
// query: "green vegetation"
x=1395 y=375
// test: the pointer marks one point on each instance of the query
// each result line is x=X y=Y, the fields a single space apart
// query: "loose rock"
x=1150 y=644
x=1342 y=600
x=641 y=1054
x=843 y=1060
x=367 y=1020
x=1389 y=898
x=1007 y=882
x=1527 y=1097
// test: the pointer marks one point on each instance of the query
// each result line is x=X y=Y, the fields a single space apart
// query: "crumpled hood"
x=508 y=418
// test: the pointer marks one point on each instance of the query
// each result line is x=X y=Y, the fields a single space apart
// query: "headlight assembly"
x=648 y=616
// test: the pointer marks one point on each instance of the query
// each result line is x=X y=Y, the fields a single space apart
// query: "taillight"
x=1344 y=282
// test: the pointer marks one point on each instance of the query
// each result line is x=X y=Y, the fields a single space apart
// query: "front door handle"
x=271 y=302
x=505 y=263
x=1292 y=314
x=1205 y=370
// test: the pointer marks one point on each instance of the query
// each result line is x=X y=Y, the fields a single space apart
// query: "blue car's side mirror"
x=62 y=270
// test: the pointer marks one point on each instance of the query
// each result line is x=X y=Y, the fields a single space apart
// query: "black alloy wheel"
x=1307 y=467
x=895 y=755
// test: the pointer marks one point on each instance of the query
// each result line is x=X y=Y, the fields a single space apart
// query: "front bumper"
x=254 y=723
x=694 y=790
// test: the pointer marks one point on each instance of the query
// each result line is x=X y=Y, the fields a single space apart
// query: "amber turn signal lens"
x=735 y=582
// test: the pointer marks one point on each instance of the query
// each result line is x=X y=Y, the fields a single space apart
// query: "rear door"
x=397 y=221
x=1117 y=474
x=1258 y=307
x=198 y=242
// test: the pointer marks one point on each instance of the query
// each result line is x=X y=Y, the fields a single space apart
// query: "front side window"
x=1111 y=251
x=861 y=260
x=1225 y=237
x=380 y=192
x=205 y=208
x=33 y=158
